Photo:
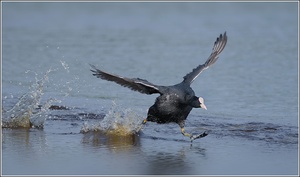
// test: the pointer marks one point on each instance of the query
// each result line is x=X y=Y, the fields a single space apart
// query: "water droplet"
x=65 y=65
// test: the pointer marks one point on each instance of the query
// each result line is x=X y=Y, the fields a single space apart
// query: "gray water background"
x=251 y=92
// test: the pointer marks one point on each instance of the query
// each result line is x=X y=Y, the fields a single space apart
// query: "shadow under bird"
x=175 y=102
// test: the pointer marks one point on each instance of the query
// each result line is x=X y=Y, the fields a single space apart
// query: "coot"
x=175 y=102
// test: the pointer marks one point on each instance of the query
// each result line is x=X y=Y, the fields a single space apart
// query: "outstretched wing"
x=217 y=49
x=135 y=84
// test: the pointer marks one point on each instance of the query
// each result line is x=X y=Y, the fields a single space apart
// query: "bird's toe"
x=193 y=137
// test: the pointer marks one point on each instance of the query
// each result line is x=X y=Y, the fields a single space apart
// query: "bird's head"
x=201 y=101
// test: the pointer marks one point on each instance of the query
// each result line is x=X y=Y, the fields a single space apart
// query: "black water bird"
x=175 y=102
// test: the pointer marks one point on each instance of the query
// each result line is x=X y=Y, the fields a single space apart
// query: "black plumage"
x=175 y=102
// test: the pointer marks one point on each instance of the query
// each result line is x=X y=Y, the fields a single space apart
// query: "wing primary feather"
x=136 y=84
x=218 y=47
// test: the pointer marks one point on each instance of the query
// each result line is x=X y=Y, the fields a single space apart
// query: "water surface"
x=251 y=92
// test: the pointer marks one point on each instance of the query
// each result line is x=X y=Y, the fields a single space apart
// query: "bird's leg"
x=184 y=133
x=191 y=136
x=141 y=126
x=181 y=125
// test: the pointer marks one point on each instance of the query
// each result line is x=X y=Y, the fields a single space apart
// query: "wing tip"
x=222 y=37
x=96 y=71
x=225 y=36
x=220 y=43
x=92 y=66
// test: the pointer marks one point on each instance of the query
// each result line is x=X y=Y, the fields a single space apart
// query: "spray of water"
x=117 y=121
x=65 y=65
x=26 y=112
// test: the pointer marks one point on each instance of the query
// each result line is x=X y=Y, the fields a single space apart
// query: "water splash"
x=65 y=65
x=26 y=112
x=38 y=118
x=116 y=121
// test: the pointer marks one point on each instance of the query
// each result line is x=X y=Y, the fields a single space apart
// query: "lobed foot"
x=193 y=137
